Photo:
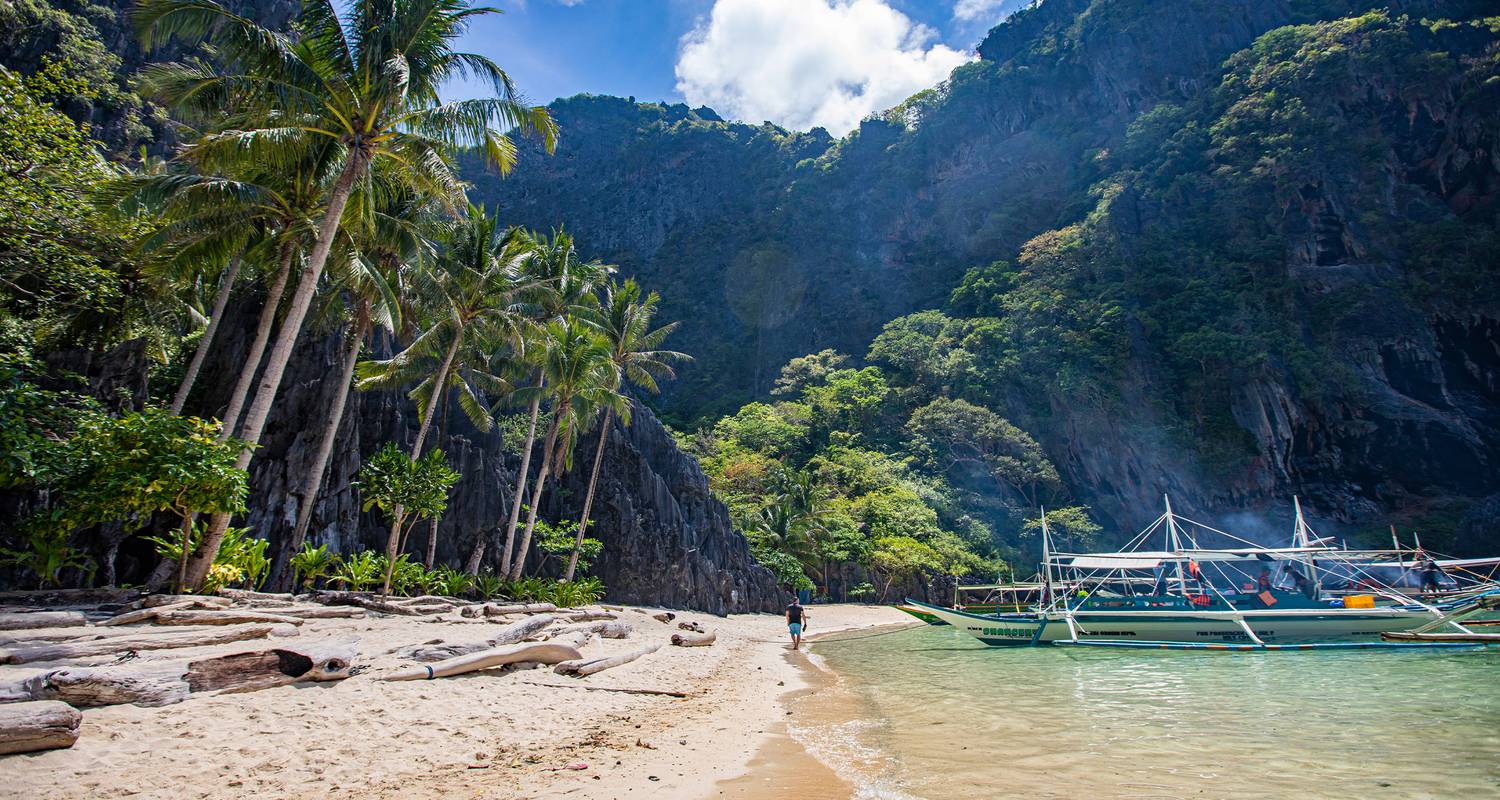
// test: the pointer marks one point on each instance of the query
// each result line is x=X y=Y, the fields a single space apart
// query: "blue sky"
x=798 y=63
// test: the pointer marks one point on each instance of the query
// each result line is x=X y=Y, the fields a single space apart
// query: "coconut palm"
x=366 y=80
x=625 y=321
x=471 y=298
x=566 y=286
x=578 y=378
x=369 y=282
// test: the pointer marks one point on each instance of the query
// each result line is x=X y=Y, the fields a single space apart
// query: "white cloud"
x=990 y=11
x=804 y=63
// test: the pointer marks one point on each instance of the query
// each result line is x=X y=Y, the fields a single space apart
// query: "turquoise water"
x=927 y=713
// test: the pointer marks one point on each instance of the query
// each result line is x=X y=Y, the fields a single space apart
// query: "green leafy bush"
x=360 y=572
x=313 y=563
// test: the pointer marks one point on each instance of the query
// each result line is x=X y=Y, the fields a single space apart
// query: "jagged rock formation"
x=667 y=541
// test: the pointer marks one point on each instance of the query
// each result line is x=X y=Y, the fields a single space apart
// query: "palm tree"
x=625 y=321
x=387 y=239
x=471 y=298
x=566 y=286
x=578 y=377
x=366 y=80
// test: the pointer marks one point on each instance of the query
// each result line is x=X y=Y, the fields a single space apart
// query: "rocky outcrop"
x=667 y=540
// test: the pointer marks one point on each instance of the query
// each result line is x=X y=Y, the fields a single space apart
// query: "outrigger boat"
x=996 y=598
x=1183 y=595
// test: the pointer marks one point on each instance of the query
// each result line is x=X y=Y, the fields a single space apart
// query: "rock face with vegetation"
x=1234 y=251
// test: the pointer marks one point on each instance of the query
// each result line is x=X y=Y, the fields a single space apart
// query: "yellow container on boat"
x=1359 y=601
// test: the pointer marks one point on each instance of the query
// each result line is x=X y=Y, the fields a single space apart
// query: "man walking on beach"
x=796 y=619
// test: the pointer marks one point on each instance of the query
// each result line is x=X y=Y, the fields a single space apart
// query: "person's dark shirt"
x=794 y=612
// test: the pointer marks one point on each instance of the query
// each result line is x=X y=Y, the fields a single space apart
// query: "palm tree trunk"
x=286 y=339
x=515 y=503
x=325 y=451
x=205 y=342
x=439 y=386
x=519 y=562
x=432 y=524
x=257 y=347
x=588 y=498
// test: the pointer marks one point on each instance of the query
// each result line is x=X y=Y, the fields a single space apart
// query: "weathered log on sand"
x=38 y=725
x=327 y=660
x=323 y=612
x=487 y=659
x=510 y=634
x=576 y=639
x=111 y=645
x=588 y=666
x=164 y=683
x=144 y=614
x=603 y=629
x=24 y=620
x=492 y=610
x=230 y=617
x=693 y=639
x=248 y=595
x=203 y=600
x=589 y=616
x=690 y=626
x=68 y=597
x=428 y=600
x=368 y=602
x=665 y=616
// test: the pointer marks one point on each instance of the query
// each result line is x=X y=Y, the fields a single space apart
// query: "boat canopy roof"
x=1146 y=559
x=1008 y=587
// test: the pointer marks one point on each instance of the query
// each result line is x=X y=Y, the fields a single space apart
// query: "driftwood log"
x=111 y=645
x=165 y=683
x=492 y=610
x=38 y=725
x=690 y=626
x=510 y=634
x=323 y=612
x=26 y=620
x=160 y=600
x=688 y=639
x=590 y=616
x=664 y=617
x=68 y=597
x=370 y=602
x=588 y=666
x=228 y=617
x=546 y=653
x=247 y=595
x=604 y=629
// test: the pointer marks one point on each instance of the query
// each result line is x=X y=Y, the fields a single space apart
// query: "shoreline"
x=525 y=734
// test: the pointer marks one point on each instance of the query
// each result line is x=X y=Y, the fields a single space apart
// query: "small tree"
x=1073 y=524
x=405 y=490
x=131 y=467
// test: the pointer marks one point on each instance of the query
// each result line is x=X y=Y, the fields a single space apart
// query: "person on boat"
x=1304 y=585
x=1432 y=576
x=796 y=620
x=1263 y=583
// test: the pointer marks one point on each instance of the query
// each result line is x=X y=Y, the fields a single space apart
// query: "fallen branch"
x=590 y=616
x=491 y=610
x=664 y=617
x=39 y=725
x=365 y=601
x=323 y=612
x=620 y=689
x=24 y=620
x=487 y=659
x=585 y=667
x=111 y=645
x=249 y=596
x=232 y=617
x=603 y=629
x=165 y=683
x=510 y=634
x=693 y=639
x=690 y=626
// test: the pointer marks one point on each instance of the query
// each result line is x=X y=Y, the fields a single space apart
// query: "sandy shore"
x=529 y=734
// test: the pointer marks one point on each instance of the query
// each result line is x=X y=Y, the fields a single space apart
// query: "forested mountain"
x=1230 y=251
x=1234 y=251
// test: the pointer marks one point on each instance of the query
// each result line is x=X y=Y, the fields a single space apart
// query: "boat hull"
x=1271 y=626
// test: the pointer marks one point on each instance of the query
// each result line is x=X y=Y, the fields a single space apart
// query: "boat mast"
x=1046 y=562
x=1300 y=539
x=1175 y=546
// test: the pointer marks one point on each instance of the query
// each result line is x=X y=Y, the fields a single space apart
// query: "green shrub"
x=313 y=563
x=360 y=572
x=488 y=585
x=46 y=556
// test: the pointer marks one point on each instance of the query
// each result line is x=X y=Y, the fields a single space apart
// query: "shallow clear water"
x=928 y=713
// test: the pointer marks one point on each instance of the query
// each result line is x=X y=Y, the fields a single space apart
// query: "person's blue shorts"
x=795 y=628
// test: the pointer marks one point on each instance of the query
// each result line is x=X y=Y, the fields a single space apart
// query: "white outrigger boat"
x=1188 y=597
